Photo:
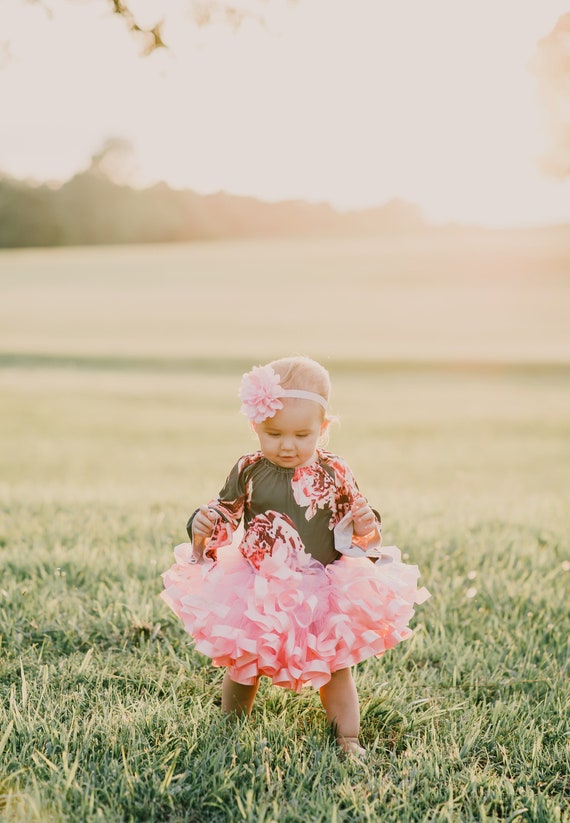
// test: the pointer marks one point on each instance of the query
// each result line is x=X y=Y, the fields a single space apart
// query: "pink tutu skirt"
x=292 y=619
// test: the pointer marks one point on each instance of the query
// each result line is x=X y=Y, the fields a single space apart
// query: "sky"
x=351 y=102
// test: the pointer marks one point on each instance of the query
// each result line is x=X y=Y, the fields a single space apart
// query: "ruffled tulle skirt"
x=292 y=619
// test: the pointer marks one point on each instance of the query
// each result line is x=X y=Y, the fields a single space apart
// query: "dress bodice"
x=314 y=497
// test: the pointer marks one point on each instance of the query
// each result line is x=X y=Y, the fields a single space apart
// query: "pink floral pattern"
x=315 y=490
x=267 y=533
x=346 y=490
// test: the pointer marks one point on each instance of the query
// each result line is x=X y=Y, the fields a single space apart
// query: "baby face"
x=289 y=438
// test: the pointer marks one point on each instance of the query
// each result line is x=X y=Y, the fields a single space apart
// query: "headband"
x=260 y=392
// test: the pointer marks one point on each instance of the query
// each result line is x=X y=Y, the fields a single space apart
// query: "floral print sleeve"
x=229 y=505
x=347 y=492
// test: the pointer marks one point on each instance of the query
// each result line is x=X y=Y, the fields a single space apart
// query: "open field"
x=440 y=295
x=111 y=432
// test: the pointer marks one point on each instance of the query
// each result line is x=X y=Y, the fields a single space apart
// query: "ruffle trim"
x=292 y=619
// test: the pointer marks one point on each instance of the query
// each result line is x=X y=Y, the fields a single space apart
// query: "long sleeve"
x=229 y=505
x=347 y=492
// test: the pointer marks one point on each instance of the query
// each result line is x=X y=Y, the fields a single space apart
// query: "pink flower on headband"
x=259 y=393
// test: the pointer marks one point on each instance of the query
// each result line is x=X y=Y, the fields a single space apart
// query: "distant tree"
x=99 y=206
x=551 y=64
x=26 y=215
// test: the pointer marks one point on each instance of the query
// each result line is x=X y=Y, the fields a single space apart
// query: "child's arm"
x=211 y=526
x=354 y=513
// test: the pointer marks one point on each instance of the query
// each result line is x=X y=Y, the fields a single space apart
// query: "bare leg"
x=340 y=701
x=237 y=698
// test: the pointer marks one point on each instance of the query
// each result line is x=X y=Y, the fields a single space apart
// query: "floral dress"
x=297 y=597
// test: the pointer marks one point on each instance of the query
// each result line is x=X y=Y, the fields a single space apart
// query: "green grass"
x=107 y=713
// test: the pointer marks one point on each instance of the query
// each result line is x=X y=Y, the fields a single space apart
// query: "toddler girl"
x=298 y=600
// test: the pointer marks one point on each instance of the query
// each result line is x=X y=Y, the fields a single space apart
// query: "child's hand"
x=204 y=522
x=363 y=518
x=202 y=528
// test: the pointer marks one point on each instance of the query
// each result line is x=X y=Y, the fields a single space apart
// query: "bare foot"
x=351 y=746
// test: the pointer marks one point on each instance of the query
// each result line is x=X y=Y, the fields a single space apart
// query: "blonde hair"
x=303 y=373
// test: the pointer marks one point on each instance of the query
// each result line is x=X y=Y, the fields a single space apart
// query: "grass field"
x=441 y=295
x=118 y=377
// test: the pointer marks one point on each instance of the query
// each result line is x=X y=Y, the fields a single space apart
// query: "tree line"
x=92 y=209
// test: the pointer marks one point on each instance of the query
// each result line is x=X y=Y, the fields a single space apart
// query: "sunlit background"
x=353 y=103
x=130 y=308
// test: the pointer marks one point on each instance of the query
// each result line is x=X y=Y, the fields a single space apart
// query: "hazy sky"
x=349 y=101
